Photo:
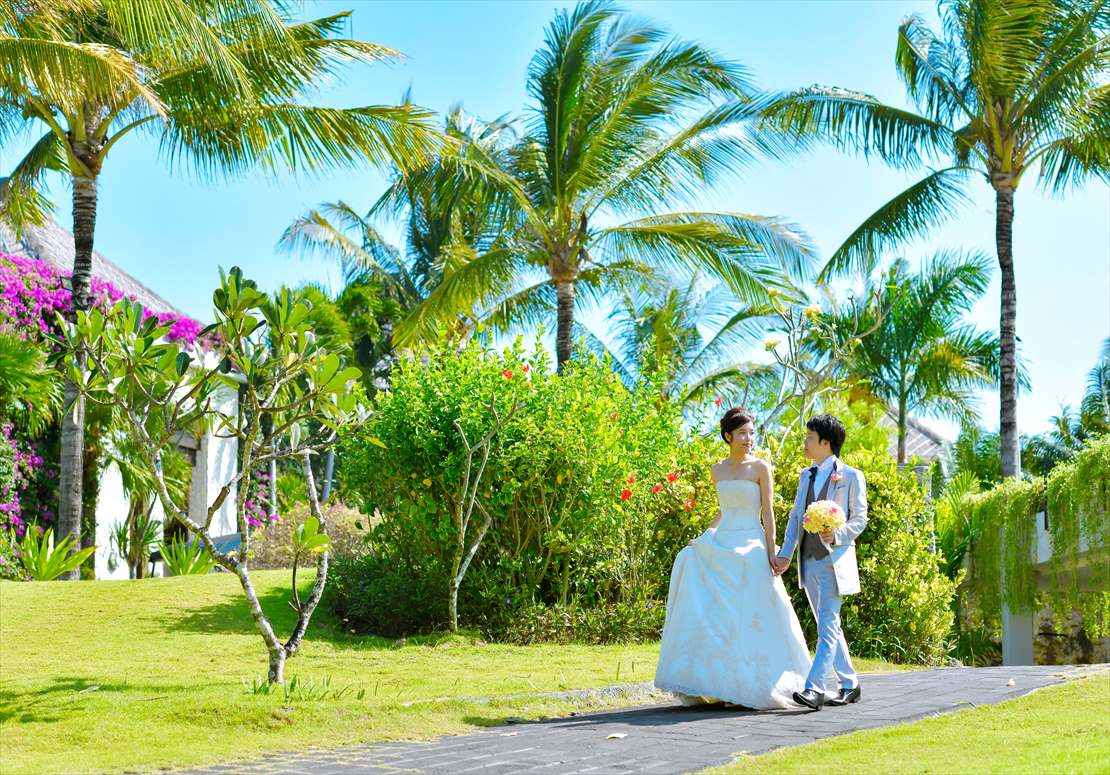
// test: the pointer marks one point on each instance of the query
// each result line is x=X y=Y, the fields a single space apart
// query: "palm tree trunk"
x=73 y=423
x=564 y=294
x=1008 y=431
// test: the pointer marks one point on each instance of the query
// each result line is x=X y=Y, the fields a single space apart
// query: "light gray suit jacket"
x=850 y=493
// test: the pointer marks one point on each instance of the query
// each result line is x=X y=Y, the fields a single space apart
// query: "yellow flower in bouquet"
x=822 y=516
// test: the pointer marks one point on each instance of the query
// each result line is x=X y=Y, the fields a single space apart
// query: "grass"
x=1060 y=729
x=113 y=675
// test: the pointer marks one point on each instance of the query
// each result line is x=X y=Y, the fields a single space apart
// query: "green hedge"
x=567 y=557
x=562 y=532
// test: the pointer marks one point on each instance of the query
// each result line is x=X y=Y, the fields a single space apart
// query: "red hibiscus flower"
x=717 y=400
x=527 y=368
x=655 y=488
x=672 y=476
x=626 y=494
x=631 y=480
x=613 y=416
x=507 y=373
x=688 y=504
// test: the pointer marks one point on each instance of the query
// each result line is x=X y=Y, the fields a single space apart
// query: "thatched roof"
x=54 y=244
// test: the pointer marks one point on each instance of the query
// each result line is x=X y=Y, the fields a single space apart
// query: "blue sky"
x=172 y=231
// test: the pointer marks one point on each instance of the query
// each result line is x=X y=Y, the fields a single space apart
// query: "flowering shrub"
x=27 y=483
x=593 y=489
x=33 y=291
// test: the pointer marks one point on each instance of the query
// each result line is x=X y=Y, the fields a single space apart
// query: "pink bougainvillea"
x=33 y=291
x=32 y=294
x=28 y=485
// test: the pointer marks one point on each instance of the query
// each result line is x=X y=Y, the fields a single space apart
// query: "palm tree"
x=624 y=123
x=660 y=330
x=1094 y=411
x=446 y=218
x=220 y=84
x=1008 y=87
x=922 y=358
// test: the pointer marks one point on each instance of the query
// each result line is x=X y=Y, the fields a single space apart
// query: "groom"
x=827 y=561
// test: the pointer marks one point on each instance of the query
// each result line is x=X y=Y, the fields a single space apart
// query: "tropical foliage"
x=1008 y=87
x=185 y=559
x=922 y=358
x=658 y=329
x=45 y=561
x=624 y=123
x=221 y=85
x=1000 y=535
x=590 y=488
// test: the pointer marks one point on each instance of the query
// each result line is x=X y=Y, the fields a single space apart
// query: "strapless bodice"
x=740 y=504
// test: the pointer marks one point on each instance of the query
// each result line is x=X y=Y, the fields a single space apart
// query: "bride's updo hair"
x=733 y=419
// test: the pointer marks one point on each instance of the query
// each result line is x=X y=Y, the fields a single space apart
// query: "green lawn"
x=1061 y=729
x=99 y=676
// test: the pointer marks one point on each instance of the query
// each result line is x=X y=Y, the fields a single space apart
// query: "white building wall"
x=112 y=505
x=216 y=464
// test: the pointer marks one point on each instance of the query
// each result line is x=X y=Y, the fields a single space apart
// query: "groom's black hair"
x=829 y=429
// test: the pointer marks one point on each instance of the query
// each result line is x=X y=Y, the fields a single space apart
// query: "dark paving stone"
x=664 y=738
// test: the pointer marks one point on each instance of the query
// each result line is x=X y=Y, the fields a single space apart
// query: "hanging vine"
x=1004 y=549
x=1078 y=501
x=1002 y=559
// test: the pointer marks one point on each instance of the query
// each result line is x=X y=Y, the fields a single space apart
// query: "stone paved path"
x=663 y=738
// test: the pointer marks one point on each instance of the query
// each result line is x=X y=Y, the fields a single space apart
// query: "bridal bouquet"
x=822 y=516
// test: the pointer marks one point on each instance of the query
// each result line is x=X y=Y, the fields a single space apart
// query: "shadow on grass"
x=234 y=617
x=51 y=703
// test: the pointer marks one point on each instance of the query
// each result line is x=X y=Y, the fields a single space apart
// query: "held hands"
x=779 y=564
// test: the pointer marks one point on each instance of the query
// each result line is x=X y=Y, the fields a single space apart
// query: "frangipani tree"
x=810 y=345
x=294 y=399
x=220 y=85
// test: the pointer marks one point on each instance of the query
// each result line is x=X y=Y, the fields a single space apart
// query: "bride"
x=731 y=633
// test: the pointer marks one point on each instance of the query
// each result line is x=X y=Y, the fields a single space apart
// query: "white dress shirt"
x=823 y=472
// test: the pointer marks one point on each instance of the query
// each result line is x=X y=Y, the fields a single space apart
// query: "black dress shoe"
x=845 y=697
x=811 y=698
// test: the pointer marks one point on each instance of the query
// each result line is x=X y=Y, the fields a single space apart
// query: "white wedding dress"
x=731 y=633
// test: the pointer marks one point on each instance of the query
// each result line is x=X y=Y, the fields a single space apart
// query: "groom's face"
x=816 y=449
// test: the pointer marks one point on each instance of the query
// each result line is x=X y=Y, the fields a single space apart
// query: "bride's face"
x=743 y=438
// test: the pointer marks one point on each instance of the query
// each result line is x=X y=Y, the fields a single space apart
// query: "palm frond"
x=335 y=231
x=305 y=138
x=23 y=200
x=677 y=167
x=858 y=122
x=60 y=73
x=913 y=213
x=715 y=243
x=473 y=280
x=1084 y=152
x=933 y=72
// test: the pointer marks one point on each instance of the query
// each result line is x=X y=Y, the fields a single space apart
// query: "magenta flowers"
x=33 y=291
